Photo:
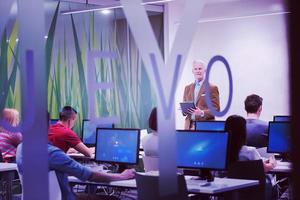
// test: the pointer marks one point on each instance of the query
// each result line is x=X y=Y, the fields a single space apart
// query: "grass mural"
x=68 y=40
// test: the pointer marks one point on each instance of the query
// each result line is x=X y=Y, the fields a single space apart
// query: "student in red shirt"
x=62 y=136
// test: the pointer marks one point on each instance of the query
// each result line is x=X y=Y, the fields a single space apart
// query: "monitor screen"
x=89 y=131
x=202 y=149
x=210 y=125
x=117 y=145
x=53 y=121
x=282 y=118
x=279 y=137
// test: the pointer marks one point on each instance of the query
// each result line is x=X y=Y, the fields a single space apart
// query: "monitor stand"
x=121 y=167
x=203 y=174
x=285 y=157
x=206 y=174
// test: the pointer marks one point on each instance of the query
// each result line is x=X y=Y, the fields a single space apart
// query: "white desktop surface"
x=219 y=185
x=283 y=167
x=8 y=167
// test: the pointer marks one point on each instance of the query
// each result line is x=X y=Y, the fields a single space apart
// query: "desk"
x=219 y=185
x=4 y=167
x=282 y=167
x=7 y=173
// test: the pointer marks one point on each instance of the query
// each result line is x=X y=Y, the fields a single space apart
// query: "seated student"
x=65 y=166
x=62 y=136
x=150 y=141
x=257 y=130
x=235 y=125
x=9 y=140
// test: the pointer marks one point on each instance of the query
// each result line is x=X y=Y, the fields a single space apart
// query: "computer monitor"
x=202 y=149
x=53 y=121
x=279 y=137
x=89 y=131
x=210 y=125
x=117 y=145
x=282 y=118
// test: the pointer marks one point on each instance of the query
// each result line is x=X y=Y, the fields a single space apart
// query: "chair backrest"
x=148 y=187
x=1 y=157
x=252 y=170
x=54 y=189
x=150 y=163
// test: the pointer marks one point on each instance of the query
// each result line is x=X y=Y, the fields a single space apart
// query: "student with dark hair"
x=62 y=136
x=150 y=141
x=235 y=125
x=257 y=130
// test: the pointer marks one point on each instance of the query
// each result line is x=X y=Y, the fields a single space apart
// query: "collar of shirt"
x=198 y=83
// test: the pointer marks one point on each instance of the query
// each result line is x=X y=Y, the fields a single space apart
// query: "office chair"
x=54 y=189
x=150 y=163
x=1 y=157
x=148 y=187
x=252 y=170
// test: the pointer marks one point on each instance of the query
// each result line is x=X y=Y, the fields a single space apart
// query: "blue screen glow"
x=210 y=126
x=282 y=118
x=279 y=137
x=89 y=131
x=53 y=121
x=199 y=149
x=117 y=145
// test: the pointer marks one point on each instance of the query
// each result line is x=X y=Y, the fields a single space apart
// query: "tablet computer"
x=185 y=106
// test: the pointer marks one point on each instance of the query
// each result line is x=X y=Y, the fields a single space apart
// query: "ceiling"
x=212 y=8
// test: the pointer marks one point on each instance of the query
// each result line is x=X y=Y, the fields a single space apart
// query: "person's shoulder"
x=263 y=123
x=189 y=85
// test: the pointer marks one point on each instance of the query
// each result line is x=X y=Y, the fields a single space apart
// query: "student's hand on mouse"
x=272 y=161
x=92 y=150
x=128 y=174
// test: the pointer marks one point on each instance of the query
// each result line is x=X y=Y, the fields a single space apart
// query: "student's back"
x=62 y=137
x=257 y=132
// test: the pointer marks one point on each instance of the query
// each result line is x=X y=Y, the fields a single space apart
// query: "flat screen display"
x=202 y=149
x=89 y=131
x=53 y=121
x=210 y=125
x=117 y=145
x=282 y=118
x=279 y=137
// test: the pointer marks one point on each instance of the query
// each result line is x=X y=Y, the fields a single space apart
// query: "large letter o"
x=207 y=91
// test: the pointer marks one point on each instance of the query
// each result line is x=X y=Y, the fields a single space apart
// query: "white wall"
x=255 y=47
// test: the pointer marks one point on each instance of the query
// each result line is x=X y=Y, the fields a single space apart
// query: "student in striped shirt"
x=9 y=140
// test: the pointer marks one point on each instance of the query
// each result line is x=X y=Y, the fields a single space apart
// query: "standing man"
x=196 y=92
x=62 y=136
x=257 y=130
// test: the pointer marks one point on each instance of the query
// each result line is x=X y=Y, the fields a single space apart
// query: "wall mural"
x=68 y=39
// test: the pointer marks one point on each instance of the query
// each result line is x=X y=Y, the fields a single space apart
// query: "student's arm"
x=107 y=177
x=81 y=148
